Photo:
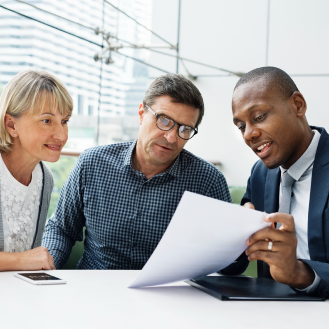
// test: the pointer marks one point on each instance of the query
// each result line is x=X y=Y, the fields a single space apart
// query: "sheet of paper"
x=204 y=236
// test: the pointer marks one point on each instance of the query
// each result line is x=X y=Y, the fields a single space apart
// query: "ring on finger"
x=270 y=245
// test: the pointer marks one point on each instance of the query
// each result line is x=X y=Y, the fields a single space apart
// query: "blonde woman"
x=34 y=111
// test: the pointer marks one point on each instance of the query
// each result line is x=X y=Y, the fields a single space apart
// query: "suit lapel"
x=318 y=199
x=271 y=198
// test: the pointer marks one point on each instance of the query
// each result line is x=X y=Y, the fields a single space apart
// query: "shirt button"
x=135 y=244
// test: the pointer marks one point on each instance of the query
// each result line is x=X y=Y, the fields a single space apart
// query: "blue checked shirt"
x=125 y=214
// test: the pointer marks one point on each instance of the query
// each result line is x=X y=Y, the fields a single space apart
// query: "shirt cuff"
x=313 y=286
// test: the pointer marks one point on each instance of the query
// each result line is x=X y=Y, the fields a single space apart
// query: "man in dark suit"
x=270 y=112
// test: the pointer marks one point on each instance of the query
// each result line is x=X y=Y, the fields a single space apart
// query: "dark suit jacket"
x=263 y=193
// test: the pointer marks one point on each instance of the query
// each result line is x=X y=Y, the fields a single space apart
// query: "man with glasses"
x=126 y=194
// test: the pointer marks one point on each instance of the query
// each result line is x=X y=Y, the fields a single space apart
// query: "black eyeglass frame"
x=175 y=123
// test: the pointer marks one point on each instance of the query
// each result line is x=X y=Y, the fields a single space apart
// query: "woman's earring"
x=14 y=134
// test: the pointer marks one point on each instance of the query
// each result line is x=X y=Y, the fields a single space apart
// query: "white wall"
x=232 y=35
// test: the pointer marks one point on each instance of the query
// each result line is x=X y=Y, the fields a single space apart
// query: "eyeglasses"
x=165 y=123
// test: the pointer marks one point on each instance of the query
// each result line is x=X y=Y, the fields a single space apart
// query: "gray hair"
x=180 y=89
x=31 y=91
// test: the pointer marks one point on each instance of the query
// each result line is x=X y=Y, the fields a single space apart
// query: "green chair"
x=237 y=193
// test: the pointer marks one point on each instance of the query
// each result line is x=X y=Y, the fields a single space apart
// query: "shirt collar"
x=306 y=160
x=173 y=170
x=128 y=157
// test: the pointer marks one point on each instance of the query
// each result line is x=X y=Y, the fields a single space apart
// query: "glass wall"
x=106 y=97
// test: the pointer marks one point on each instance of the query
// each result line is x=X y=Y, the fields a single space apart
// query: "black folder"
x=246 y=288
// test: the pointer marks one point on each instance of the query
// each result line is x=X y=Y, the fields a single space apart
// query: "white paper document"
x=204 y=236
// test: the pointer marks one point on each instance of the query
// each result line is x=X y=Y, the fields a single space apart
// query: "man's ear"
x=299 y=103
x=10 y=123
x=141 y=112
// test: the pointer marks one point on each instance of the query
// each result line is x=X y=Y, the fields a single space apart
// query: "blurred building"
x=25 y=44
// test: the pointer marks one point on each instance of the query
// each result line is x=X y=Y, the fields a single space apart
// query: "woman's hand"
x=36 y=259
x=31 y=260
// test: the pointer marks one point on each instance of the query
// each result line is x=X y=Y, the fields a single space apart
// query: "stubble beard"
x=158 y=159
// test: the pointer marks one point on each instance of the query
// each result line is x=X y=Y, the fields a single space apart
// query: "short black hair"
x=180 y=89
x=277 y=80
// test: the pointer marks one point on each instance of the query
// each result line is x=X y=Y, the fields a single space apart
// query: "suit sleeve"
x=247 y=196
x=322 y=270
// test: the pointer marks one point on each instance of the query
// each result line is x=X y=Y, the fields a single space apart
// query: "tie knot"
x=287 y=180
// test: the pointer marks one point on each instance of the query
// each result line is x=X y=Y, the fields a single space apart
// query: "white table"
x=101 y=299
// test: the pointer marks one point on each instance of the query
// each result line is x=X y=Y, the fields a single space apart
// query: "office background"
x=236 y=35
x=241 y=35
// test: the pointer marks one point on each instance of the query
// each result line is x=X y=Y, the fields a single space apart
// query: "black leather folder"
x=246 y=288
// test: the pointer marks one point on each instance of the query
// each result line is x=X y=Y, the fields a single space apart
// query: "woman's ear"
x=10 y=123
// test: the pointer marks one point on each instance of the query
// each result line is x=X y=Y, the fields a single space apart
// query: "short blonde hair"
x=28 y=91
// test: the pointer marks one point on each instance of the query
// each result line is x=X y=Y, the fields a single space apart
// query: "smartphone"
x=39 y=278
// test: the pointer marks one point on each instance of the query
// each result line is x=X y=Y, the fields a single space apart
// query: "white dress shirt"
x=301 y=171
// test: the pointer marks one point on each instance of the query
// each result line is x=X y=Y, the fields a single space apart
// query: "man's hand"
x=35 y=259
x=249 y=205
x=284 y=266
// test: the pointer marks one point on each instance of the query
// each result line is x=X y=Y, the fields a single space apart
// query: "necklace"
x=10 y=169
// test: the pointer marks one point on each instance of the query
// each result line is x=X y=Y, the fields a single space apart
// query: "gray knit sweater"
x=47 y=187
